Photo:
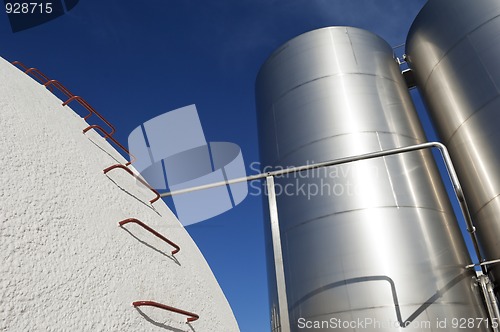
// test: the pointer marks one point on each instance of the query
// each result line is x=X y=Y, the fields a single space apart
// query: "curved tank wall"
x=66 y=265
x=372 y=241
x=453 y=48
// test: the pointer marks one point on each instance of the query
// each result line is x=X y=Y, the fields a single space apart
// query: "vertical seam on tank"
x=352 y=48
x=387 y=171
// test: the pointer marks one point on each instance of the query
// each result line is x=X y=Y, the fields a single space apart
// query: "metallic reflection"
x=456 y=69
x=334 y=93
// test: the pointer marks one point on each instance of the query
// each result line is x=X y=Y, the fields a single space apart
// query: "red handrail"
x=106 y=170
x=192 y=316
x=106 y=136
x=47 y=82
x=59 y=86
x=37 y=74
x=85 y=104
x=80 y=99
x=20 y=64
x=42 y=78
x=146 y=227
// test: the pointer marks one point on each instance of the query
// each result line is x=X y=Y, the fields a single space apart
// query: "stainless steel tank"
x=454 y=49
x=370 y=245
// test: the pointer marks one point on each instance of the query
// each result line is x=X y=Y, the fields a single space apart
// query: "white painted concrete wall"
x=65 y=263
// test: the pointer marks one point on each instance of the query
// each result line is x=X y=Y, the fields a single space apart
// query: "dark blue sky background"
x=134 y=60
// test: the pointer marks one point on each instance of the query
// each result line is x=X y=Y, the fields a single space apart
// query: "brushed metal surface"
x=371 y=240
x=458 y=73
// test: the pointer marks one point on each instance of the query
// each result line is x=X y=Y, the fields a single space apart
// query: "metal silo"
x=454 y=48
x=369 y=245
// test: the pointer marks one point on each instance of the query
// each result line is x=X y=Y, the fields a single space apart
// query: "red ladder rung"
x=37 y=74
x=106 y=170
x=146 y=227
x=91 y=110
x=192 y=316
x=108 y=135
x=59 y=86
x=41 y=77
x=20 y=64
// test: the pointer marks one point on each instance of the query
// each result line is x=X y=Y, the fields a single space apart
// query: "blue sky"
x=134 y=60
